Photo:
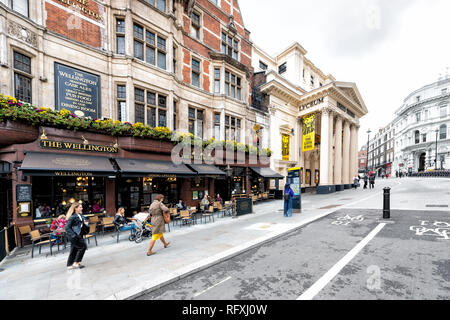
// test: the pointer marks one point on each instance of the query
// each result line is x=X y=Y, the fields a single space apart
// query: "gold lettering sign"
x=48 y=144
x=285 y=146
x=82 y=5
x=309 y=131
x=73 y=174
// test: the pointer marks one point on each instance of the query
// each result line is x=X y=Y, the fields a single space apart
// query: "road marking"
x=327 y=277
x=202 y=292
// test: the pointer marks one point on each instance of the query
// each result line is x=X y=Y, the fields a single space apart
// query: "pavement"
x=123 y=271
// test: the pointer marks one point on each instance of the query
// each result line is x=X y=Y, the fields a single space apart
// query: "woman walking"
x=76 y=228
x=158 y=225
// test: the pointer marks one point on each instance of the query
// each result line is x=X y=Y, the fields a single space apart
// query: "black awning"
x=152 y=168
x=56 y=164
x=207 y=170
x=267 y=173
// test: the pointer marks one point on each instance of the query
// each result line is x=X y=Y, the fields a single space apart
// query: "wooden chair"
x=175 y=215
x=107 y=222
x=185 y=217
x=254 y=199
x=209 y=213
x=94 y=220
x=92 y=233
x=221 y=209
x=24 y=232
x=36 y=240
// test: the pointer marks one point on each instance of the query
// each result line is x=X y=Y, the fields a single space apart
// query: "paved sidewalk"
x=121 y=271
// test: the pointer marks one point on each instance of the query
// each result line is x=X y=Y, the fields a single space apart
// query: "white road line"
x=202 y=292
x=327 y=277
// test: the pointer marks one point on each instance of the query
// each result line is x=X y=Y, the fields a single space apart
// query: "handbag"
x=166 y=216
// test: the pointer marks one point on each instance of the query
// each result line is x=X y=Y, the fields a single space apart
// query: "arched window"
x=417 y=137
x=443 y=132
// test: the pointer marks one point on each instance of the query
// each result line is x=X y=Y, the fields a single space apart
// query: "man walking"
x=288 y=198
x=366 y=180
x=372 y=181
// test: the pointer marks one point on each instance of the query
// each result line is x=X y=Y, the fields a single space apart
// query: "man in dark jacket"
x=372 y=181
x=288 y=199
x=366 y=180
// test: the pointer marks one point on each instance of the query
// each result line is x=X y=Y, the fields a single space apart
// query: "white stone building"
x=293 y=88
x=422 y=129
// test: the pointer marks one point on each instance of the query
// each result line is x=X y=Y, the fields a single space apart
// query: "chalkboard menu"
x=23 y=193
x=77 y=91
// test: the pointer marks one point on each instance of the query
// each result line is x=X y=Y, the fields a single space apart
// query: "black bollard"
x=387 y=203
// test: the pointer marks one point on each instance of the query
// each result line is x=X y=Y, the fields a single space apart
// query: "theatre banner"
x=285 y=146
x=77 y=91
x=309 y=131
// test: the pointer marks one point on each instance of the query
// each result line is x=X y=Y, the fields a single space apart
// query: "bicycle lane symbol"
x=347 y=220
x=439 y=229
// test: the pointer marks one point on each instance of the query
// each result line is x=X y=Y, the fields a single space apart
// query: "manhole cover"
x=437 y=205
x=331 y=207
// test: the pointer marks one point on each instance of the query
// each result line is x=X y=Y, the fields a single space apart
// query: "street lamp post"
x=436 y=155
x=368 y=140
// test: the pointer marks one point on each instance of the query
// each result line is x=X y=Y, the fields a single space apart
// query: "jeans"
x=129 y=227
x=288 y=208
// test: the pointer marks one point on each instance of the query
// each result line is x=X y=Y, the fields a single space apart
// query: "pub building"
x=50 y=168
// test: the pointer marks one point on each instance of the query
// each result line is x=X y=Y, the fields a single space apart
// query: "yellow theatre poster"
x=285 y=146
x=309 y=132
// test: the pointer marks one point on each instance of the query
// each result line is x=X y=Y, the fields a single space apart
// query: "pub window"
x=139 y=108
x=230 y=46
x=155 y=47
x=120 y=36
x=174 y=59
x=121 y=102
x=196 y=122
x=22 y=77
x=217 y=126
x=160 y=4
x=195 y=25
x=195 y=73
x=232 y=126
x=20 y=6
x=174 y=115
x=283 y=68
x=217 y=80
x=233 y=85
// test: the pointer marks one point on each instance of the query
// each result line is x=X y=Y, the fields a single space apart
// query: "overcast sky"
x=389 y=48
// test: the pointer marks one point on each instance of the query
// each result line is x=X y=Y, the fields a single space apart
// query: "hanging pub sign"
x=309 y=132
x=285 y=146
x=61 y=145
x=77 y=91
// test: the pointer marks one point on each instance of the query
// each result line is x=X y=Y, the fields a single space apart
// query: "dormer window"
x=230 y=46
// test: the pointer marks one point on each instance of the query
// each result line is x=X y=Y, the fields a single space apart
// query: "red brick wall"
x=74 y=27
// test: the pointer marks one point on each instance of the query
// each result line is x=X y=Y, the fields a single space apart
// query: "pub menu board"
x=23 y=193
x=77 y=91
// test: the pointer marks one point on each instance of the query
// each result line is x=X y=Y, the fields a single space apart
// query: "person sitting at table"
x=204 y=204
x=121 y=222
x=181 y=205
x=45 y=210
x=219 y=199
x=97 y=208
x=57 y=227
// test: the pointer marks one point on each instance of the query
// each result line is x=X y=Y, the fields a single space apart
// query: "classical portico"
x=337 y=109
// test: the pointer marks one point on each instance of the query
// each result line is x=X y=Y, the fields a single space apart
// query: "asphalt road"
x=350 y=254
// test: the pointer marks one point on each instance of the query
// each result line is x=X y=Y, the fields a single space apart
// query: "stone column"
x=301 y=154
x=330 y=149
x=353 y=152
x=346 y=154
x=338 y=153
x=324 y=147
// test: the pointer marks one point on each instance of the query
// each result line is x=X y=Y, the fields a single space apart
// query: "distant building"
x=422 y=129
x=362 y=159
x=381 y=151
